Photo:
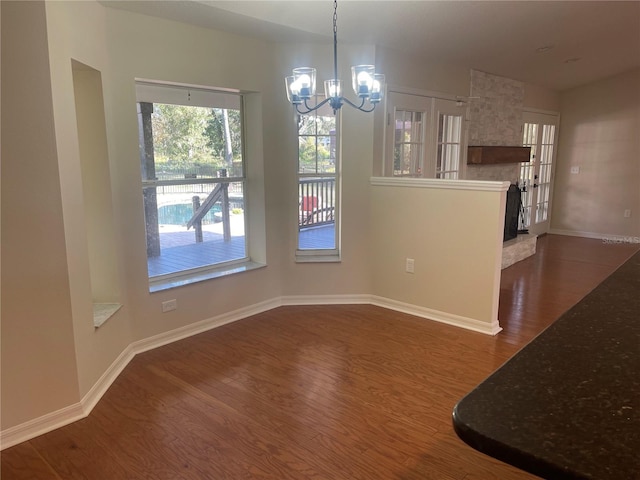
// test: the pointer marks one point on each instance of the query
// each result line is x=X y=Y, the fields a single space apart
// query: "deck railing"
x=317 y=202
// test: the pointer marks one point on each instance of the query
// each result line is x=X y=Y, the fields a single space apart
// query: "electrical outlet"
x=575 y=170
x=410 y=265
x=169 y=305
x=627 y=213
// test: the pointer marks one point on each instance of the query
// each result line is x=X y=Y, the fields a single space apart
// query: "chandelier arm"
x=311 y=109
x=360 y=107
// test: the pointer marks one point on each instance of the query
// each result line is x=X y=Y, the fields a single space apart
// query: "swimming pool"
x=181 y=213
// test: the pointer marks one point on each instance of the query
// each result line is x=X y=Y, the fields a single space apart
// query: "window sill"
x=103 y=312
x=182 y=280
x=312 y=256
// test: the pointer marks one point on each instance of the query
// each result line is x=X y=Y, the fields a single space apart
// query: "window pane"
x=306 y=125
x=193 y=226
x=195 y=142
x=307 y=154
x=326 y=125
x=317 y=201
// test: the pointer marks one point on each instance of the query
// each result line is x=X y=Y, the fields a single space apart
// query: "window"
x=424 y=137
x=317 y=185
x=193 y=180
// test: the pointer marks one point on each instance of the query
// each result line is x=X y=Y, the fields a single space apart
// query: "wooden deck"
x=317 y=237
x=194 y=255
x=180 y=252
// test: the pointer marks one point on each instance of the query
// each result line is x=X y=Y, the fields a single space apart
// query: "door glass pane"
x=545 y=168
x=408 y=143
x=527 y=173
x=448 y=150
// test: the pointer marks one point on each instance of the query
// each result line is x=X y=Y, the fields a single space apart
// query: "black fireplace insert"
x=511 y=213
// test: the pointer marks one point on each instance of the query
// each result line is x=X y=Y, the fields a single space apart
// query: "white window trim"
x=152 y=91
x=327 y=255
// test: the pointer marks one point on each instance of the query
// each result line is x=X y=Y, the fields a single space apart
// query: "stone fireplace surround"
x=495 y=119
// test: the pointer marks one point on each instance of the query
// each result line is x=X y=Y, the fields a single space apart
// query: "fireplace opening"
x=512 y=212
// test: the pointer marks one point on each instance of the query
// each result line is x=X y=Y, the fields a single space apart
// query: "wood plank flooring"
x=314 y=392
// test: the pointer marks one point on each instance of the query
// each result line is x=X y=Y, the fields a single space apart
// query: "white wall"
x=38 y=359
x=599 y=133
x=454 y=236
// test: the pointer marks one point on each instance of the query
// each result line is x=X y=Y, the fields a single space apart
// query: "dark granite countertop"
x=567 y=405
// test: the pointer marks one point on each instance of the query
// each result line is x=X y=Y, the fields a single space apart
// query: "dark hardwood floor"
x=315 y=392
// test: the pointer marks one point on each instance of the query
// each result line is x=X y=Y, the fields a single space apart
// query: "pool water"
x=181 y=213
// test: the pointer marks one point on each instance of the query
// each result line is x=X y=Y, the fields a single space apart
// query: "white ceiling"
x=499 y=37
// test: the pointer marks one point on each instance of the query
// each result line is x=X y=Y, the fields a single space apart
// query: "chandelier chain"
x=335 y=39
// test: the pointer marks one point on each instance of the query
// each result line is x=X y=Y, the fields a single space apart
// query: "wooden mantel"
x=492 y=155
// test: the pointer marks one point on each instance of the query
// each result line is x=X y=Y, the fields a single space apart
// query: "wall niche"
x=96 y=191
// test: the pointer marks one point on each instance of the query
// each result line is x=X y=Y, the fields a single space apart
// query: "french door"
x=424 y=137
x=536 y=176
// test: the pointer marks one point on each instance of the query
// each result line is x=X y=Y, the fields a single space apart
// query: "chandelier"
x=367 y=85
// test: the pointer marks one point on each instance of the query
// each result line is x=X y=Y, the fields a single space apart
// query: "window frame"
x=310 y=255
x=151 y=91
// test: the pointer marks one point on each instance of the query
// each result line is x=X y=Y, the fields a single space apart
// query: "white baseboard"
x=605 y=237
x=358 y=299
x=576 y=233
x=203 y=326
x=46 y=423
x=99 y=388
x=41 y=425
x=492 y=328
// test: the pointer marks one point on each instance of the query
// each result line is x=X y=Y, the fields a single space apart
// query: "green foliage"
x=315 y=134
x=313 y=156
x=191 y=140
x=215 y=133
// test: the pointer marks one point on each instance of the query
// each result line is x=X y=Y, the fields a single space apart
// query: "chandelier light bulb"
x=362 y=77
x=377 y=88
x=365 y=80
x=305 y=82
